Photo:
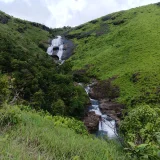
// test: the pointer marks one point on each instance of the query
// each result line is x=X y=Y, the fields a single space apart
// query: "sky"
x=59 y=13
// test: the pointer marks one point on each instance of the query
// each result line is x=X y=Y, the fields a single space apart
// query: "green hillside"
x=29 y=76
x=123 y=45
x=41 y=103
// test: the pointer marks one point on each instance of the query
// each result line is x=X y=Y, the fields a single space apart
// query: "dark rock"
x=112 y=109
x=68 y=48
x=104 y=90
x=55 y=57
x=106 y=18
x=94 y=21
x=4 y=19
x=91 y=121
x=119 y=22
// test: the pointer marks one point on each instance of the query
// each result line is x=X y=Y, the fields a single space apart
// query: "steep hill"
x=123 y=45
x=29 y=76
x=121 y=51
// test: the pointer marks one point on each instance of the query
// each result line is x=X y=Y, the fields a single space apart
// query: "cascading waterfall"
x=57 y=43
x=107 y=126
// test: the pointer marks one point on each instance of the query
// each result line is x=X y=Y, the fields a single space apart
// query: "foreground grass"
x=36 y=137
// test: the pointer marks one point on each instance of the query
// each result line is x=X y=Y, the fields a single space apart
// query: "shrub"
x=71 y=123
x=9 y=115
x=141 y=131
x=4 y=89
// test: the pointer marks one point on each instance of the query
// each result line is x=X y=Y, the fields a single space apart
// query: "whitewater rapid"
x=107 y=126
x=56 y=44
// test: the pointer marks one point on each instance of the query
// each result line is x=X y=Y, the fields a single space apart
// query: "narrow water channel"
x=107 y=126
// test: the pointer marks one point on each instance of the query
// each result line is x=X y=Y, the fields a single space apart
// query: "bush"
x=9 y=115
x=4 y=89
x=140 y=130
x=71 y=123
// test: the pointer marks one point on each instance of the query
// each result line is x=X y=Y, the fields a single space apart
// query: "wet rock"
x=107 y=93
x=112 y=109
x=91 y=121
x=68 y=48
x=104 y=90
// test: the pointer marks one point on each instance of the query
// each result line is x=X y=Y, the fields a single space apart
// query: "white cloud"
x=7 y=1
x=59 y=13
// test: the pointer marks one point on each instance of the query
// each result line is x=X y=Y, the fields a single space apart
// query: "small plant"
x=9 y=115
x=144 y=151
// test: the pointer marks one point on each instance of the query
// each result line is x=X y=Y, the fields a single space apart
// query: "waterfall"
x=56 y=44
x=107 y=126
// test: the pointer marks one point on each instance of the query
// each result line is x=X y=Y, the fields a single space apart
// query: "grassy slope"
x=33 y=35
x=36 y=137
x=129 y=50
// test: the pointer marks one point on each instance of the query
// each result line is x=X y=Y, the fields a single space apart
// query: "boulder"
x=91 y=121
x=104 y=90
x=112 y=109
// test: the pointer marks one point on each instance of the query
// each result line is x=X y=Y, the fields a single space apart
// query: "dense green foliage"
x=32 y=76
x=40 y=136
x=141 y=128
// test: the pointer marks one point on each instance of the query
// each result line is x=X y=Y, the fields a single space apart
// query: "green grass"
x=124 y=50
x=36 y=137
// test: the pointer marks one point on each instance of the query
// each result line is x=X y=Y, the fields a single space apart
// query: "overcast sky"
x=59 y=13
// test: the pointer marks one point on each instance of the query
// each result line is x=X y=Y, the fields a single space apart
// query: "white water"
x=107 y=126
x=60 y=52
x=56 y=43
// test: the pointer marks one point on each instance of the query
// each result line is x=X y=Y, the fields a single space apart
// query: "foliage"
x=4 y=89
x=140 y=129
x=34 y=78
x=71 y=123
x=9 y=115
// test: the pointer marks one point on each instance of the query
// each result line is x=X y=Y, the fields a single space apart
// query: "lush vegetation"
x=124 y=47
x=26 y=134
x=29 y=76
x=120 y=49
x=128 y=48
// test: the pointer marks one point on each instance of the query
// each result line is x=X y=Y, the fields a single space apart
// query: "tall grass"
x=36 y=138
